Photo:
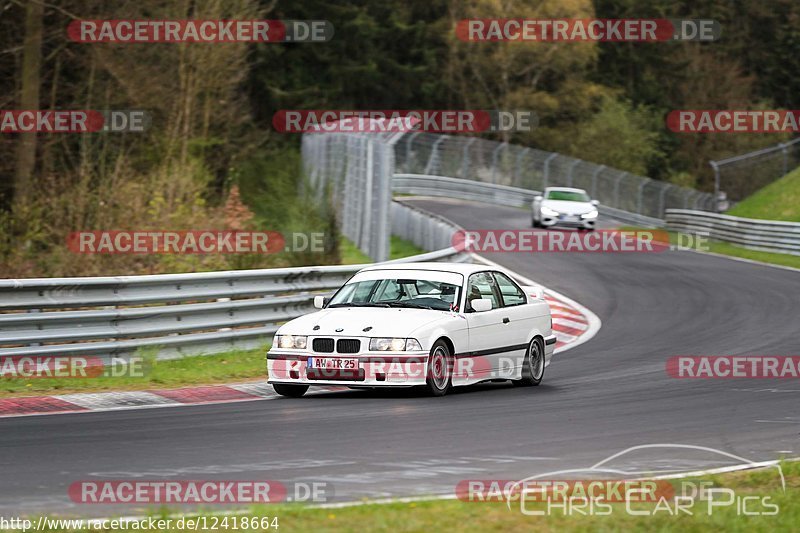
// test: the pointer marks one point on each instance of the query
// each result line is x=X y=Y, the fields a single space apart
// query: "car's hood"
x=569 y=208
x=352 y=321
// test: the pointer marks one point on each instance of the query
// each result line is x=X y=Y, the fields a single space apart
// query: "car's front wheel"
x=440 y=369
x=533 y=366
x=292 y=391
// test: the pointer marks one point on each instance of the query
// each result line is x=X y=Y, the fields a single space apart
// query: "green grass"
x=398 y=248
x=779 y=200
x=726 y=248
x=238 y=365
x=454 y=515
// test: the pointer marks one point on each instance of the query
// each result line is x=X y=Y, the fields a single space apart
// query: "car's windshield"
x=568 y=196
x=397 y=292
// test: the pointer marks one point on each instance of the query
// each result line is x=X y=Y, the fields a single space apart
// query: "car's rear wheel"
x=535 y=223
x=440 y=369
x=292 y=391
x=532 y=366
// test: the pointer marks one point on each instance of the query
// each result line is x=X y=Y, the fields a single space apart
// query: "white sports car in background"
x=436 y=325
x=564 y=206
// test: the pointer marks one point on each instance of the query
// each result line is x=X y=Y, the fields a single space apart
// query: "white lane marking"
x=569 y=323
x=594 y=321
x=257 y=388
x=107 y=400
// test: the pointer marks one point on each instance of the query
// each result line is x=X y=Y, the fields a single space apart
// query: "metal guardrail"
x=463 y=189
x=181 y=314
x=764 y=235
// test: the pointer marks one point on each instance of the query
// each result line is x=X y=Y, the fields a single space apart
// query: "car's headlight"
x=382 y=344
x=546 y=211
x=297 y=342
x=590 y=214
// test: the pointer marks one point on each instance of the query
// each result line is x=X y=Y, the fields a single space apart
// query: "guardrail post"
x=596 y=173
x=546 y=170
x=465 y=158
x=494 y=160
x=571 y=170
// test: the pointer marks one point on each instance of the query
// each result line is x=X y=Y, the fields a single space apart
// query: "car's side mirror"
x=320 y=301
x=595 y=203
x=481 y=304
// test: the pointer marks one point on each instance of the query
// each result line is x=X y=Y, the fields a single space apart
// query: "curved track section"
x=598 y=399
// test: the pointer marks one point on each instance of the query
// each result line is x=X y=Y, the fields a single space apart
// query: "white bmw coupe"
x=435 y=325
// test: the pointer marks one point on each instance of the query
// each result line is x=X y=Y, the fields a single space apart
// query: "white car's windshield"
x=568 y=196
x=397 y=292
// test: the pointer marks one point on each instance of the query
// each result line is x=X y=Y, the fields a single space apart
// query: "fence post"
x=640 y=193
x=571 y=170
x=465 y=158
x=661 y=199
x=434 y=158
x=518 y=167
x=408 y=150
x=616 y=189
x=596 y=173
x=785 y=151
x=715 y=166
x=546 y=170
x=494 y=160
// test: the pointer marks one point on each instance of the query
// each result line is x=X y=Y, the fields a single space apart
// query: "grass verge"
x=398 y=248
x=780 y=200
x=237 y=365
x=726 y=248
x=761 y=487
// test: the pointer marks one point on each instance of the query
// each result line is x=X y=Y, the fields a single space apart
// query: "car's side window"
x=510 y=292
x=482 y=285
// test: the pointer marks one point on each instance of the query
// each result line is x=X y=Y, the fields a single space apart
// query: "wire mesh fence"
x=742 y=175
x=499 y=163
x=357 y=171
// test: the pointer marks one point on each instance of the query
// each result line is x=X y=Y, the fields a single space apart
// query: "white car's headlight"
x=590 y=214
x=297 y=342
x=546 y=211
x=383 y=344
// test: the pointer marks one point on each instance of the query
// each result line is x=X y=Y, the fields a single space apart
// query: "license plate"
x=568 y=218
x=333 y=363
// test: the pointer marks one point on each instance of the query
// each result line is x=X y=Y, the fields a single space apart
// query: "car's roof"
x=564 y=189
x=458 y=268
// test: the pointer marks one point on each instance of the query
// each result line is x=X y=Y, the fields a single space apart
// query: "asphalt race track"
x=597 y=399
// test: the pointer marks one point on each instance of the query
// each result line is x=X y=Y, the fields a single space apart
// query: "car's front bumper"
x=401 y=370
x=584 y=223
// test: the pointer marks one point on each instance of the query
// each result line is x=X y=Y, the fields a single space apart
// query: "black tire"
x=440 y=369
x=534 y=223
x=532 y=366
x=292 y=391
